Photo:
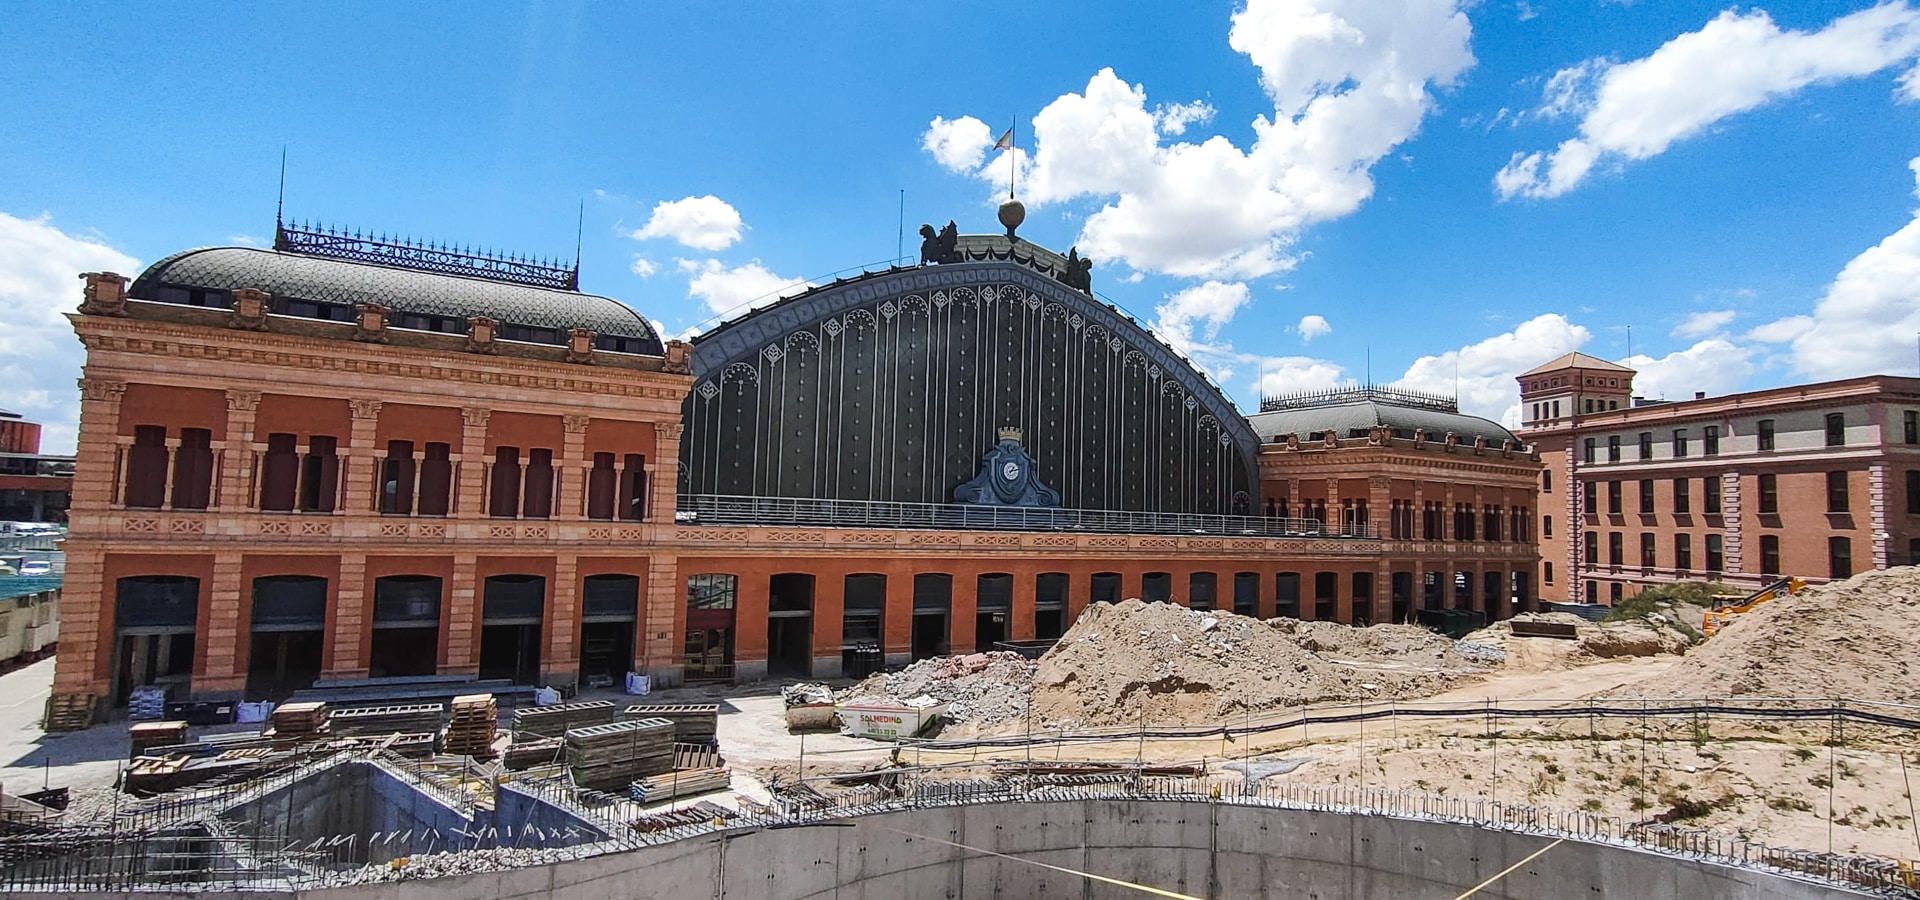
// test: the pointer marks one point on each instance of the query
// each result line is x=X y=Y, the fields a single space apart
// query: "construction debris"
x=522 y=754
x=1155 y=663
x=984 y=688
x=693 y=723
x=474 y=727
x=610 y=757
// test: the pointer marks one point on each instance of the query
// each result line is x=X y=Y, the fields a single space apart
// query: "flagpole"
x=1013 y=165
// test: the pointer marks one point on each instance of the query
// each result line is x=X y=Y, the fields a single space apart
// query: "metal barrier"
x=723 y=509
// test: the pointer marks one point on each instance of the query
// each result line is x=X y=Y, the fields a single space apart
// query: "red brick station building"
x=344 y=458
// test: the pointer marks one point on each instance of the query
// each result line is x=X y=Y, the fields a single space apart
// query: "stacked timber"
x=295 y=723
x=610 y=757
x=475 y=724
x=680 y=783
x=693 y=723
x=143 y=737
x=555 y=721
x=398 y=718
x=522 y=755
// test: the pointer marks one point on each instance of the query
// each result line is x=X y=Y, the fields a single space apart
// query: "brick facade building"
x=1818 y=481
x=34 y=486
x=340 y=459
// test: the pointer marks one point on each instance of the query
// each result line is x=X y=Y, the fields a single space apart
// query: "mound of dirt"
x=1851 y=639
x=1128 y=662
x=983 y=688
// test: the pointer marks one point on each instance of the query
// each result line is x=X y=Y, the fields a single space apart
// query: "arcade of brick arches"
x=342 y=459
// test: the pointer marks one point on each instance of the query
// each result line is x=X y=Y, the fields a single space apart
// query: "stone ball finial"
x=1012 y=213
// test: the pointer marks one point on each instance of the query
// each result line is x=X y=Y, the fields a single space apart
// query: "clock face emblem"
x=1010 y=471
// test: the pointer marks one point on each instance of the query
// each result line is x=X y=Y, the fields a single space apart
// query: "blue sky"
x=1297 y=193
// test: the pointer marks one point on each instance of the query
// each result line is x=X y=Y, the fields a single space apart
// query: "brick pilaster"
x=359 y=472
x=470 y=492
x=236 y=461
x=350 y=626
x=664 y=483
x=82 y=666
x=560 y=660
x=224 y=660
x=461 y=612
x=657 y=648
x=573 y=469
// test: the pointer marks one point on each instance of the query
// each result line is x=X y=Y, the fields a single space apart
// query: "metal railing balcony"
x=724 y=509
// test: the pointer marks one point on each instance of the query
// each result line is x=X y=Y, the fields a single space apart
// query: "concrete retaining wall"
x=1189 y=846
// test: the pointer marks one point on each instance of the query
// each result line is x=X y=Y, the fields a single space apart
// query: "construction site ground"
x=1786 y=784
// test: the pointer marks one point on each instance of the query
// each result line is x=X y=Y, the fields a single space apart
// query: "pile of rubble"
x=1160 y=663
x=984 y=688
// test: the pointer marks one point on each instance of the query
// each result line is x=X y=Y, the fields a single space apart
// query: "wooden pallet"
x=693 y=723
x=70 y=712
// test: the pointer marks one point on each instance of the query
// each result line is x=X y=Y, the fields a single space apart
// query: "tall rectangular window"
x=1710 y=440
x=1913 y=492
x=1769 y=494
x=1769 y=556
x=1911 y=420
x=1837 y=492
x=1546 y=522
x=1546 y=481
x=436 y=479
x=1836 y=429
x=1682 y=497
x=1613 y=498
x=1593 y=549
x=319 y=474
x=1649 y=558
x=396 y=479
x=537 y=484
x=1613 y=448
x=1764 y=433
x=1646 y=496
x=1839 y=558
x=503 y=500
x=1710 y=494
x=279 y=472
x=147 y=467
x=1716 y=555
x=1587 y=448
x=1683 y=552
x=1646 y=445
x=1591 y=490
x=193 y=469
x=1616 y=550
x=1679 y=443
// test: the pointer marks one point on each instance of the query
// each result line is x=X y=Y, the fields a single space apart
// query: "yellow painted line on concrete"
x=1157 y=892
x=1504 y=872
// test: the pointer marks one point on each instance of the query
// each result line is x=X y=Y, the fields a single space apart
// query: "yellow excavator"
x=1713 y=619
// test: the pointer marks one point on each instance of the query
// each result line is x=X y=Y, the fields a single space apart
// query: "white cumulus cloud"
x=1207 y=306
x=702 y=223
x=643 y=267
x=1715 y=365
x=1736 y=62
x=1780 y=331
x=39 y=356
x=960 y=144
x=1292 y=374
x=1311 y=327
x=1349 y=81
x=1865 y=324
x=1701 y=324
x=1486 y=369
x=731 y=290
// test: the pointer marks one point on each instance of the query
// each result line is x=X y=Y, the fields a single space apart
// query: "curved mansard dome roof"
x=204 y=276
x=1352 y=413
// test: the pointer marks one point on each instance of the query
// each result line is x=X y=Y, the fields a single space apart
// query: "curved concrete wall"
x=1192 y=847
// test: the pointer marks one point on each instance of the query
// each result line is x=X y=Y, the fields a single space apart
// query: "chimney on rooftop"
x=1699 y=395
